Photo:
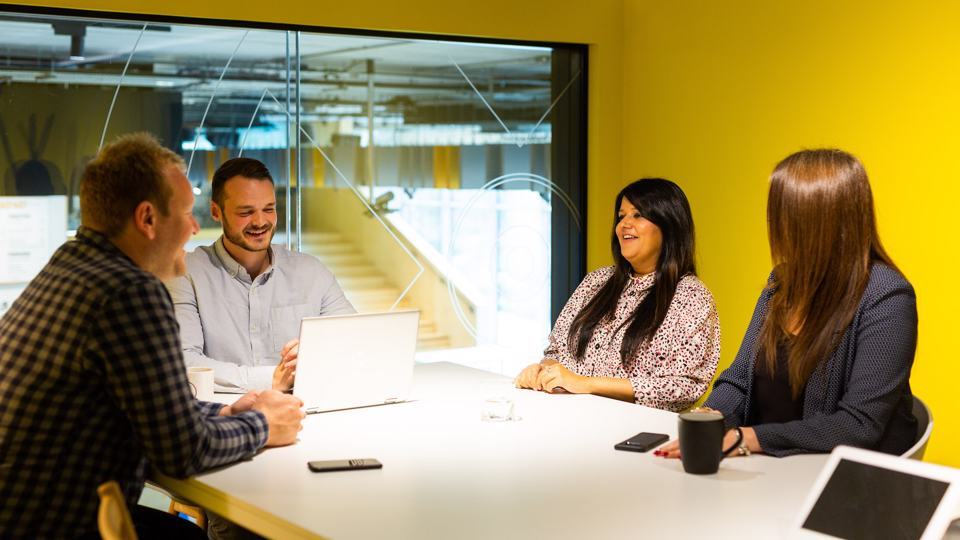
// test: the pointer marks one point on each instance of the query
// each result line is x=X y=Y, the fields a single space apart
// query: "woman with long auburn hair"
x=826 y=359
x=645 y=329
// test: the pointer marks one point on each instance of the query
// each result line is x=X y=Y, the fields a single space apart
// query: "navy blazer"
x=860 y=396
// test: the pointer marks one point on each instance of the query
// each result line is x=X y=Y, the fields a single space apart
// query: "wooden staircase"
x=366 y=288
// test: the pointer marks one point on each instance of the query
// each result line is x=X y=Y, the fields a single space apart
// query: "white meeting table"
x=446 y=474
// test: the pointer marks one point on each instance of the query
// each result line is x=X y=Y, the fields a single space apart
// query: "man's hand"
x=245 y=403
x=286 y=370
x=284 y=416
x=556 y=378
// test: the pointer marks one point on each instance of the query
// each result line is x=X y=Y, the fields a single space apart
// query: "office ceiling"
x=418 y=78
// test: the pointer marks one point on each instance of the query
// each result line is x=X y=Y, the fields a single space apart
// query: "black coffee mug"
x=701 y=441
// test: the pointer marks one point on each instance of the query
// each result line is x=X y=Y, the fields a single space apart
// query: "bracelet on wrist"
x=736 y=444
x=742 y=448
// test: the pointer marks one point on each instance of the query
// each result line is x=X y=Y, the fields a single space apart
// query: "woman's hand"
x=528 y=377
x=556 y=378
x=671 y=450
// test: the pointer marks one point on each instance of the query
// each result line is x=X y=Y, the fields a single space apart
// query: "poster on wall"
x=33 y=227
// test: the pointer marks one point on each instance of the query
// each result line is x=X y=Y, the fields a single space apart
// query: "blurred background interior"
x=445 y=176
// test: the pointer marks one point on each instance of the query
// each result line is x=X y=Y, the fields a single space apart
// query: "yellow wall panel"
x=717 y=92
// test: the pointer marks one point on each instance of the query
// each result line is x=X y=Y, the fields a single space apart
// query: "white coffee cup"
x=201 y=382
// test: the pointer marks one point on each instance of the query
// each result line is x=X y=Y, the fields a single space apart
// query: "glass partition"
x=439 y=175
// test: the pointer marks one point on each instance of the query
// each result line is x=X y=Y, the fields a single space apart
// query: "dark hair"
x=241 y=166
x=823 y=241
x=663 y=203
x=125 y=173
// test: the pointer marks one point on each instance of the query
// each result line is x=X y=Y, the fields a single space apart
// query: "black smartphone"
x=641 y=442
x=344 y=465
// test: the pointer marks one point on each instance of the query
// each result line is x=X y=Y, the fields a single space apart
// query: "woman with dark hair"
x=826 y=359
x=646 y=329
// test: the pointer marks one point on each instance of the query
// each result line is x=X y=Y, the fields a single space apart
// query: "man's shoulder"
x=98 y=270
x=297 y=260
x=202 y=256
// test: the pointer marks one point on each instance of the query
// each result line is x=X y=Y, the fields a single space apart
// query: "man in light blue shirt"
x=239 y=305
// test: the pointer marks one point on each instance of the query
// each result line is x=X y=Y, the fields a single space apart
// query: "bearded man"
x=240 y=303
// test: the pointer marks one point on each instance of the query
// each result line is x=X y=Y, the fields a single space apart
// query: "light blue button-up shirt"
x=237 y=325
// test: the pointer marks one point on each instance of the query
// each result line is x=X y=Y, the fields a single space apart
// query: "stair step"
x=362 y=282
x=322 y=251
x=434 y=342
x=354 y=258
x=353 y=271
x=365 y=287
x=322 y=237
x=379 y=292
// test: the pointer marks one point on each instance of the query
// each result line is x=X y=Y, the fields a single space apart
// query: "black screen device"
x=641 y=442
x=331 y=465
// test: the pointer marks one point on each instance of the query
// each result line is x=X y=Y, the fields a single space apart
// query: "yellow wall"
x=717 y=92
x=713 y=94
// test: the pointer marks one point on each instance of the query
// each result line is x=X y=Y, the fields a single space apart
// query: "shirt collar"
x=235 y=269
x=643 y=282
x=99 y=240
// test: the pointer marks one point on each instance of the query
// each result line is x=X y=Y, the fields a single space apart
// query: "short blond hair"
x=125 y=173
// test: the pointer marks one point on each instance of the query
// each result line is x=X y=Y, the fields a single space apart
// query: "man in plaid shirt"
x=92 y=381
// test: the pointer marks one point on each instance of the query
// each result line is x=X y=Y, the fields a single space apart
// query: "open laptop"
x=350 y=361
x=869 y=495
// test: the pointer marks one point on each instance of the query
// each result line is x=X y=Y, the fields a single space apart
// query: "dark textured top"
x=773 y=400
x=92 y=386
x=859 y=396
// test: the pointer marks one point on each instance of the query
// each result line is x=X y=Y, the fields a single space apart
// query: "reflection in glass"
x=418 y=127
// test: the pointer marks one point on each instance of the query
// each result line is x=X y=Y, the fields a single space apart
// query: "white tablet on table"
x=861 y=494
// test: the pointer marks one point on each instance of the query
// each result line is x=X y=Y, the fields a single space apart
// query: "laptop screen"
x=862 y=501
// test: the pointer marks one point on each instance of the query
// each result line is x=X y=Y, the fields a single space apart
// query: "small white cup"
x=497 y=409
x=201 y=382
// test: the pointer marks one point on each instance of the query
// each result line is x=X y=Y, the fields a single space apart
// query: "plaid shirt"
x=92 y=388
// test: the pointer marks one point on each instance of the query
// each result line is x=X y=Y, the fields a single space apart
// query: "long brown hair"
x=823 y=240
x=664 y=204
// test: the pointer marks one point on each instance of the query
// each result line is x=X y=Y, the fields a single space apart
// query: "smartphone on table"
x=331 y=465
x=641 y=442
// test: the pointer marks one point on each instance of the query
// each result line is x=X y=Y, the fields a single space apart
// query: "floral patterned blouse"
x=670 y=371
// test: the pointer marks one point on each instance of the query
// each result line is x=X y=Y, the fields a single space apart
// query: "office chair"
x=924 y=429
x=113 y=518
x=178 y=507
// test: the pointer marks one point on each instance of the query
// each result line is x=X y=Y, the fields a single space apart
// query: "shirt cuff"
x=210 y=408
x=260 y=378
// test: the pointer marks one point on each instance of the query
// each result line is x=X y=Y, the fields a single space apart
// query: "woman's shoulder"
x=691 y=288
x=598 y=276
x=886 y=280
x=693 y=283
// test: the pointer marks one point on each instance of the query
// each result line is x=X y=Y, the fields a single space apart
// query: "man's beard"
x=238 y=238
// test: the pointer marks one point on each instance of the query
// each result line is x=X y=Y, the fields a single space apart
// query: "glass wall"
x=428 y=174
